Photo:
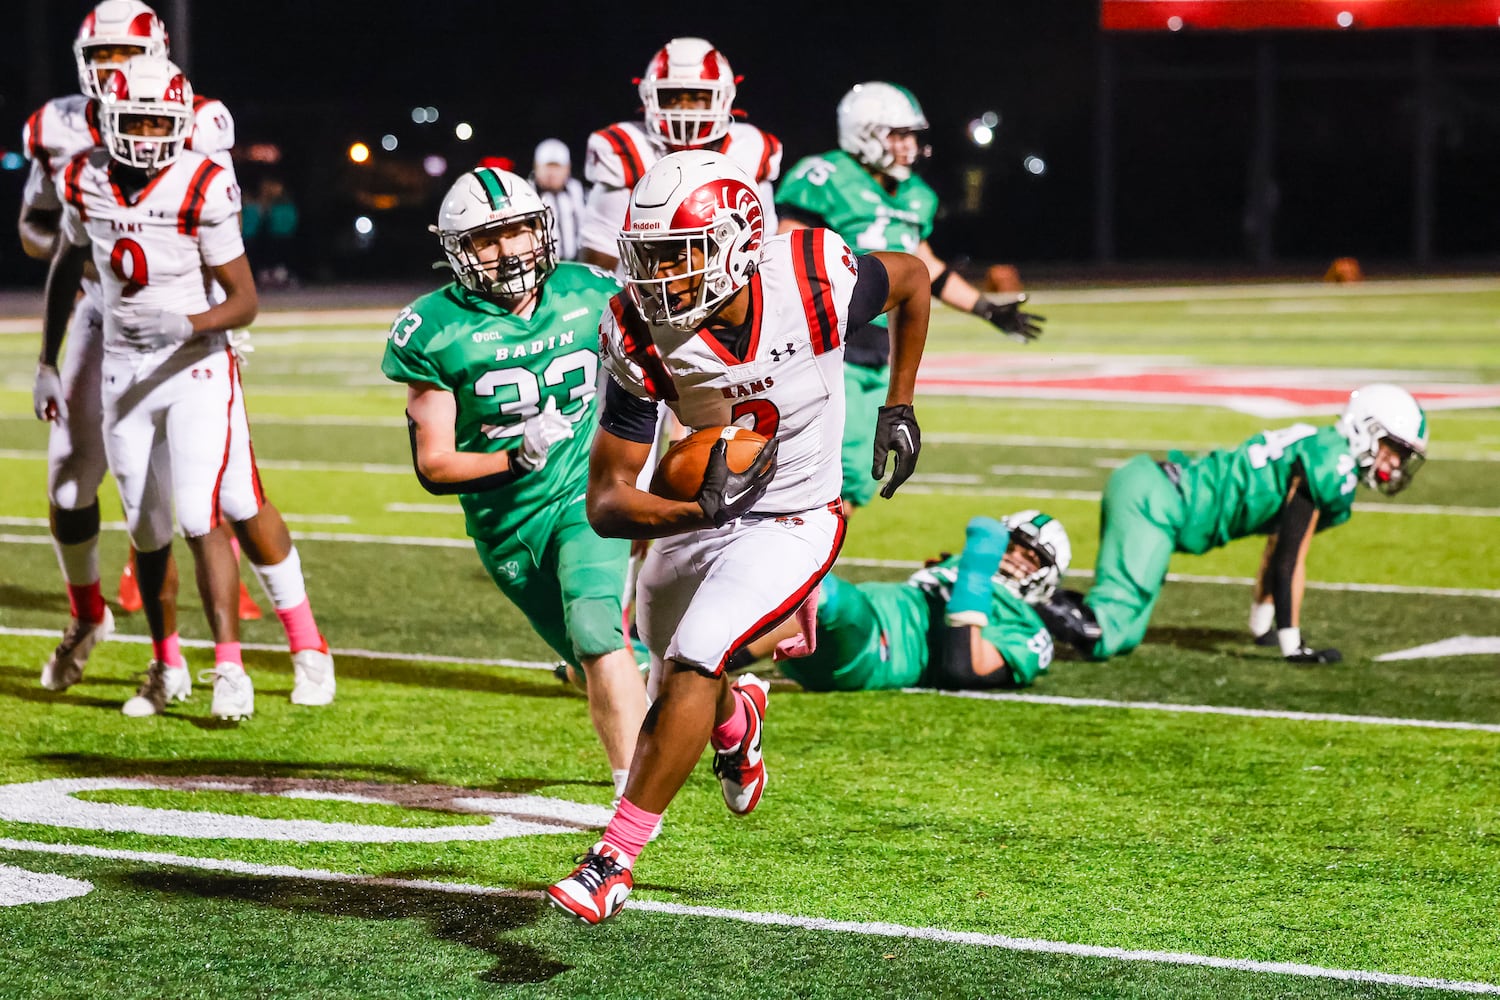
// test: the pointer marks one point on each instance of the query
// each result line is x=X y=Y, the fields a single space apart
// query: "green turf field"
x=1097 y=844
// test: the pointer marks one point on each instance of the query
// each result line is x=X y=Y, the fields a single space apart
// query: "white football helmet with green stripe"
x=868 y=114
x=497 y=233
x=1045 y=536
x=1384 y=413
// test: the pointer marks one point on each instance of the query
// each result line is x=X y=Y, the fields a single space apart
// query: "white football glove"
x=239 y=343
x=150 y=330
x=538 y=435
x=47 y=394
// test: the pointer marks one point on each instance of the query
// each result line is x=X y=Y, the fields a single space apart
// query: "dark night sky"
x=316 y=75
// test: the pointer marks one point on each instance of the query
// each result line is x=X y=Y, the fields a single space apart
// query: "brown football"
x=679 y=474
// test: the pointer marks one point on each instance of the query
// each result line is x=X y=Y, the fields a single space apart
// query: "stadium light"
x=1035 y=165
x=419 y=115
x=1174 y=23
x=980 y=133
x=435 y=166
x=359 y=152
x=364 y=226
x=12 y=161
x=463 y=131
x=388 y=142
x=1345 y=19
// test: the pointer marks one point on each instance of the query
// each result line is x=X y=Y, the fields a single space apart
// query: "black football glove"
x=1008 y=317
x=896 y=430
x=1314 y=656
x=725 y=494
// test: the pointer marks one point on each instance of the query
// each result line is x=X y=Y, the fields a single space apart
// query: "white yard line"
x=1233 y=581
x=1250 y=713
x=820 y=924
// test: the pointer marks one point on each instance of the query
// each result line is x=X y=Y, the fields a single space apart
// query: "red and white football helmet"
x=111 y=23
x=688 y=64
x=699 y=208
x=145 y=87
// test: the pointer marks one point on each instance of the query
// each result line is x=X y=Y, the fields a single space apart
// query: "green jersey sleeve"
x=1018 y=633
x=405 y=358
x=808 y=188
x=1331 y=474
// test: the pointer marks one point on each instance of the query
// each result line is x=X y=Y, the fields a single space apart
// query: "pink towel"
x=807 y=641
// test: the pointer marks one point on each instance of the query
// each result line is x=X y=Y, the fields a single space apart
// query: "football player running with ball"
x=154 y=216
x=868 y=193
x=726 y=326
x=500 y=368
x=1287 y=483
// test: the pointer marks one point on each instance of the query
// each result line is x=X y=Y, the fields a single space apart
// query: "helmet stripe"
x=492 y=187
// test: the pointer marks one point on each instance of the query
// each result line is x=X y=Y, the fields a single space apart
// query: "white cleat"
x=64 y=667
x=313 y=673
x=163 y=684
x=234 y=695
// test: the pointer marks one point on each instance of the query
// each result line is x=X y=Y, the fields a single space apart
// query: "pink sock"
x=86 y=602
x=630 y=830
x=167 y=651
x=731 y=732
x=301 y=630
x=228 y=652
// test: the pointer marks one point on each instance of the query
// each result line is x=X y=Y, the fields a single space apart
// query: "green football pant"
x=1138 y=523
x=864 y=395
x=572 y=593
x=847 y=656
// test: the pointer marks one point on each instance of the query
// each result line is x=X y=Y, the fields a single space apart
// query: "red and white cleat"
x=742 y=771
x=130 y=591
x=598 y=887
x=249 y=610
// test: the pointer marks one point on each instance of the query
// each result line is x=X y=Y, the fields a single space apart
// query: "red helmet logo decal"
x=699 y=209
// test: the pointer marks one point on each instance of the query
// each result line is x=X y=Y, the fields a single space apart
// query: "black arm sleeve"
x=626 y=416
x=1294 y=524
x=871 y=289
x=955 y=669
x=812 y=220
x=481 y=485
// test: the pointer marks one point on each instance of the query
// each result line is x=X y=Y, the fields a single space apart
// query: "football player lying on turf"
x=966 y=622
x=726 y=326
x=1287 y=483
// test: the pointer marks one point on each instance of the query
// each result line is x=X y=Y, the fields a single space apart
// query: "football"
x=679 y=474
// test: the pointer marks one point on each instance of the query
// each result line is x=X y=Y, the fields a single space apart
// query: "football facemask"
x=1046 y=539
x=138 y=98
x=115 y=24
x=496 y=233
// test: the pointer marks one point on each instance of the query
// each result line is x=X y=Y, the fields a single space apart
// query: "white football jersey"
x=151 y=252
x=790 y=385
x=620 y=155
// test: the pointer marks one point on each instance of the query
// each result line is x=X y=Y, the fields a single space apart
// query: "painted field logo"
x=54 y=803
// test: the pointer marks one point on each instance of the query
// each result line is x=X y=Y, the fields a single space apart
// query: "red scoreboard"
x=1306 y=15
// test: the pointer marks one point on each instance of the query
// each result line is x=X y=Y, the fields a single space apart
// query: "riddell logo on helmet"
x=645 y=226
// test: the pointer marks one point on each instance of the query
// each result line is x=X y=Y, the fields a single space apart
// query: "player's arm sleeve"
x=613 y=356
x=1294 y=525
x=627 y=416
x=219 y=238
x=213 y=132
x=956 y=670
x=871 y=288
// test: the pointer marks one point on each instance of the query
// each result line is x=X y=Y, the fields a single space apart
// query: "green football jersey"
x=1015 y=629
x=853 y=204
x=1230 y=494
x=503 y=369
